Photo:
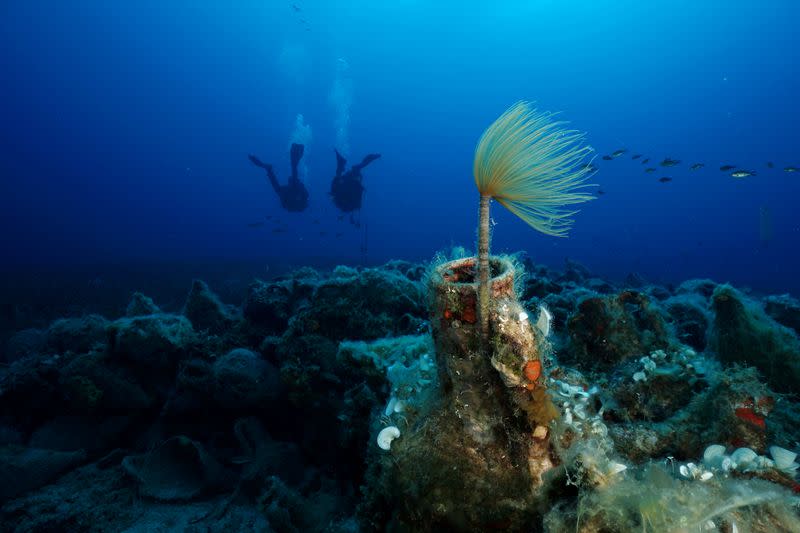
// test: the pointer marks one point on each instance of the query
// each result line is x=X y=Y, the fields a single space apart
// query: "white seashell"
x=568 y=417
x=390 y=406
x=648 y=363
x=386 y=436
x=544 y=320
x=523 y=316
x=726 y=465
x=705 y=476
x=763 y=462
x=616 y=468
x=709 y=525
x=685 y=471
x=713 y=455
x=783 y=457
x=639 y=376
x=399 y=406
x=742 y=457
x=791 y=469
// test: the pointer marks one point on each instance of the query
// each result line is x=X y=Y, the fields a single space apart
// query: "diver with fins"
x=346 y=188
x=293 y=195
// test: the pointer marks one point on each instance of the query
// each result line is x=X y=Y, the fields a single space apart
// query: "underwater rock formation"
x=269 y=418
x=151 y=341
x=362 y=304
x=178 y=469
x=243 y=380
x=205 y=311
x=29 y=468
x=785 y=310
x=27 y=342
x=744 y=334
x=606 y=330
x=141 y=305
x=76 y=334
x=481 y=436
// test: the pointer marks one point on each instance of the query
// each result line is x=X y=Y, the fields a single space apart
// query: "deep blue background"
x=124 y=128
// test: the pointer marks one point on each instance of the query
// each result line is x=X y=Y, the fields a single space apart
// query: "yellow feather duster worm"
x=535 y=168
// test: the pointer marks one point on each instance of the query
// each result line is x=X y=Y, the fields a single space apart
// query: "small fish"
x=742 y=174
x=696 y=166
x=645 y=161
x=255 y=224
x=607 y=158
x=590 y=167
x=619 y=152
x=636 y=156
x=600 y=192
x=296 y=8
x=667 y=162
x=770 y=164
x=649 y=169
x=791 y=169
x=665 y=179
x=725 y=168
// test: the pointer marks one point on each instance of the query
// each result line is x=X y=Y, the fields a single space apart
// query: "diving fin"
x=296 y=154
x=369 y=158
x=341 y=162
x=256 y=161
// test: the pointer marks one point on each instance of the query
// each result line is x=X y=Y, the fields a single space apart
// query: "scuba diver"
x=293 y=195
x=346 y=188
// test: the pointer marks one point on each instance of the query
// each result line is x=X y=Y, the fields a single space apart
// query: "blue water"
x=125 y=128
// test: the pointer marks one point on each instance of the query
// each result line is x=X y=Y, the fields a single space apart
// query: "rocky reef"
x=358 y=400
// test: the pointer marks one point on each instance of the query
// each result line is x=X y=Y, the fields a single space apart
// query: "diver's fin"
x=256 y=161
x=296 y=154
x=369 y=158
x=341 y=162
x=273 y=179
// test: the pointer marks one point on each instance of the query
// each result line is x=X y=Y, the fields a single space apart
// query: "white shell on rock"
x=386 y=436
x=544 y=320
x=616 y=468
x=713 y=455
x=783 y=457
x=743 y=457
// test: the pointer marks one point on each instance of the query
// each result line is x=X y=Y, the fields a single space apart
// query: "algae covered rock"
x=178 y=469
x=141 y=305
x=205 y=310
x=470 y=461
x=76 y=334
x=152 y=340
x=244 y=380
x=785 y=310
x=29 y=341
x=268 y=305
x=690 y=317
x=31 y=468
x=743 y=333
x=607 y=330
x=363 y=304
x=91 y=383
